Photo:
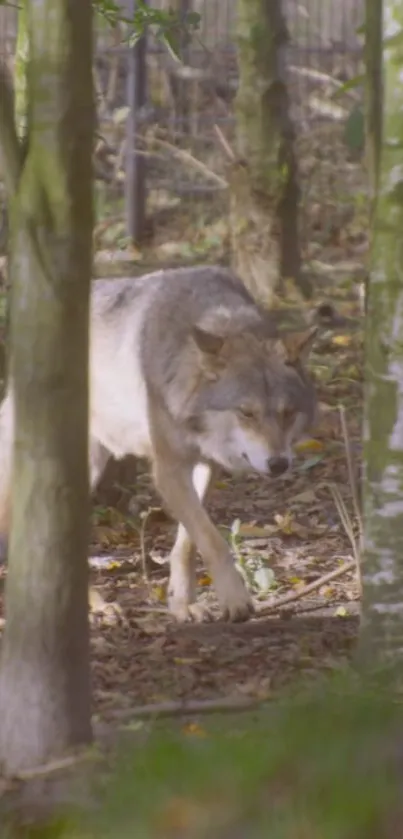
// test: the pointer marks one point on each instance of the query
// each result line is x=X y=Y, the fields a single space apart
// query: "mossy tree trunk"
x=264 y=182
x=21 y=115
x=382 y=627
x=44 y=673
x=20 y=70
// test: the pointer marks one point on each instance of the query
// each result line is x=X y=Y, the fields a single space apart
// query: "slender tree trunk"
x=44 y=676
x=264 y=184
x=20 y=70
x=21 y=117
x=382 y=628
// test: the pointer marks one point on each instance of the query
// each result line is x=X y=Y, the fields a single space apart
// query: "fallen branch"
x=225 y=144
x=271 y=606
x=188 y=158
x=193 y=706
x=59 y=765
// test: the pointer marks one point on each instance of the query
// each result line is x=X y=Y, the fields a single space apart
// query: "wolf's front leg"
x=182 y=578
x=174 y=482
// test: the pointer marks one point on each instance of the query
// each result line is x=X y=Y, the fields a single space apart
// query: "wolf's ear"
x=209 y=344
x=296 y=346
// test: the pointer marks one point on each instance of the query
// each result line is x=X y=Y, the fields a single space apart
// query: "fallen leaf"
x=341 y=340
x=235 y=527
x=221 y=485
x=295 y=581
x=159 y=593
x=306 y=497
x=290 y=527
x=194 y=729
x=264 y=578
x=326 y=591
x=341 y=612
x=254 y=531
x=309 y=446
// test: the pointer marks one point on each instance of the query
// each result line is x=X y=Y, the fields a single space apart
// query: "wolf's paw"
x=185 y=612
x=108 y=613
x=234 y=599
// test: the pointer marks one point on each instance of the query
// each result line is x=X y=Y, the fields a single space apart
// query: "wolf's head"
x=253 y=399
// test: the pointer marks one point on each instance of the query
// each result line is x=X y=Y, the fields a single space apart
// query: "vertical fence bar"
x=183 y=102
x=135 y=186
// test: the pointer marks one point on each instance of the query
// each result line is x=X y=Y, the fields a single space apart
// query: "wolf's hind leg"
x=182 y=579
x=98 y=458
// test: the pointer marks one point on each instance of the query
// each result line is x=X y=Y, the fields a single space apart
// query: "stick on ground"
x=271 y=606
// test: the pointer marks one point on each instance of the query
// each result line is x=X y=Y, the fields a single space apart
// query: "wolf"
x=187 y=371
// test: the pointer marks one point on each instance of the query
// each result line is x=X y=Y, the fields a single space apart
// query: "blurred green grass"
x=320 y=764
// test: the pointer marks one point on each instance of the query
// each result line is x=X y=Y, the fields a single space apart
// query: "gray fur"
x=185 y=370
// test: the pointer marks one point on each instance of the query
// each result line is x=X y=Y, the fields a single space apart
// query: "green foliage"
x=171 y=27
x=354 y=131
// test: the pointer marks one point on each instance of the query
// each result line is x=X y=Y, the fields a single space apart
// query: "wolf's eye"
x=247 y=412
x=287 y=416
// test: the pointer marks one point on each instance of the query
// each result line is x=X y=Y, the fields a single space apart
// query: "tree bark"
x=20 y=70
x=21 y=115
x=381 y=638
x=44 y=675
x=264 y=183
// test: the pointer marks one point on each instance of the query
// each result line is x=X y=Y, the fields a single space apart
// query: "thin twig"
x=119 y=158
x=351 y=476
x=357 y=548
x=56 y=765
x=101 y=103
x=193 y=706
x=188 y=158
x=144 y=516
x=225 y=144
x=266 y=608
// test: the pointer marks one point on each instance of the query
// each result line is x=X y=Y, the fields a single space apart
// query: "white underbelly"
x=118 y=397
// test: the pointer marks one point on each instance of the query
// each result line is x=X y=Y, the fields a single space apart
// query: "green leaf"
x=312 y=461
x=354 y=132
x=351 y=84
x=264 y=579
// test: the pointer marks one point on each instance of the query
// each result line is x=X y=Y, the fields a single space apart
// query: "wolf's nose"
x=278 y=465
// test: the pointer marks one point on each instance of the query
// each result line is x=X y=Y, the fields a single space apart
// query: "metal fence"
x=160 y=170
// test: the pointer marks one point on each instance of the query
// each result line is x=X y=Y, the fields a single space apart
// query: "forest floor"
x=298 y=529
x=292 y=527
x=289 y=534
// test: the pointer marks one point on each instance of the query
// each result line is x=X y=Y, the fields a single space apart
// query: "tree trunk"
x=382 y=628
x=21 y=116
x=264 y=184
x=20 y=70
x=44 y=676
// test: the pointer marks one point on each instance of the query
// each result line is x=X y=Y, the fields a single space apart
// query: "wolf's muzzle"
x=277 y=466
